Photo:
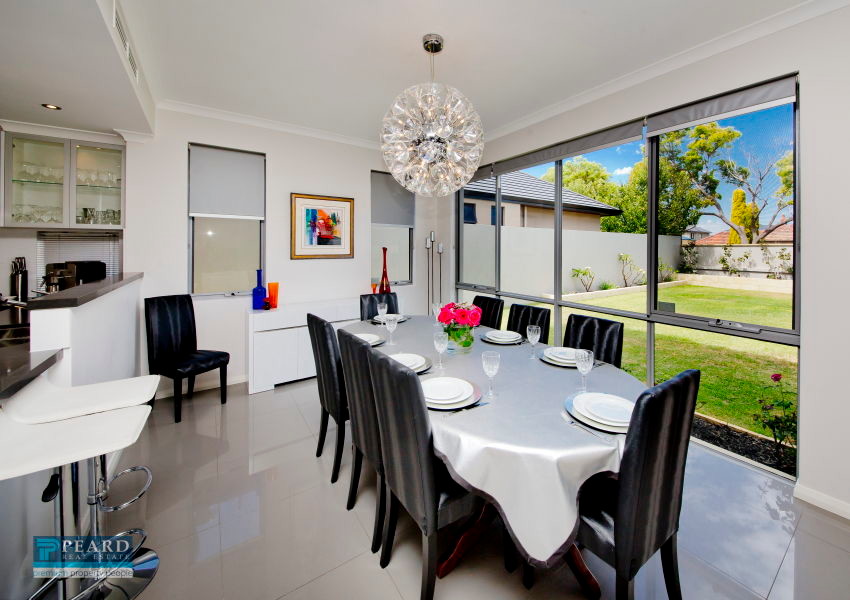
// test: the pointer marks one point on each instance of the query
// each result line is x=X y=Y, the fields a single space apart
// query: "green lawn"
x=735 y=371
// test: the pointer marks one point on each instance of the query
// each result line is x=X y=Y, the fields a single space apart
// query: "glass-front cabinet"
x=36 y=172
x=51 y=182
x=98 y=177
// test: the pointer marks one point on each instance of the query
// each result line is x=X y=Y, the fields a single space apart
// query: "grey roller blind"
x=606 y=138
x=226 y=182
x=391 y=203
x=772 y=93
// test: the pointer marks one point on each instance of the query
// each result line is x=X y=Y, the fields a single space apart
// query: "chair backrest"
x=406 y=441
x=361 y=399
x=602 y=336
x=491 y=310
x=328 y=368
x=523 y=315
x=652 y=470
x=369 y=304
x=170 y=329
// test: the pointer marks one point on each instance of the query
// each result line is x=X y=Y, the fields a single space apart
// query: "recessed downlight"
x=52 y=107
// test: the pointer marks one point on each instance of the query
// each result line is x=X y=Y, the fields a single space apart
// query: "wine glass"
x=391 y=323
x=584 y=362
x=436 y=308
x=441 y=344
x=532 y=334
x=382 y=311
x=490 y=362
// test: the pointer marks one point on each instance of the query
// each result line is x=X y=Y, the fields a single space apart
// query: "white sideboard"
x=279 y=347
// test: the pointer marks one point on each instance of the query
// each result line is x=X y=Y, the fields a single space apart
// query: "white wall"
x=156 y=237
x=817 y=49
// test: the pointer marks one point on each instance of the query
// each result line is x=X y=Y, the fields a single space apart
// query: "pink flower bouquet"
x=458 y=321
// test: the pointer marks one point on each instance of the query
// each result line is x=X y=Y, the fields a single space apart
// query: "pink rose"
x=461 y=316
x=776 y=377
x=475 y=316
x=445 y=316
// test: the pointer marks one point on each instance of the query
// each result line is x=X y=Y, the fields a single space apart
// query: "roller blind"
x=226 y=183
x=765 y=95
x=606 y=138
x=391 y=203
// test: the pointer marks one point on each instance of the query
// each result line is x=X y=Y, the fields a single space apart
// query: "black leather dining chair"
x=522 y=315
x=369 y=304
x=625 y=518
x=365 y=435
x=601 y=336
x=491 y=310
x=331 y=385
x=417 y=479
x=173 y=347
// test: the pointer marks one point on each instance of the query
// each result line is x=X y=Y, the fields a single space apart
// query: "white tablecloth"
x=519 y=451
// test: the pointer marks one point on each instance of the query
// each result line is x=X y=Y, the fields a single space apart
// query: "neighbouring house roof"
x=520 y=187
x=784 y=234
x=696 y=229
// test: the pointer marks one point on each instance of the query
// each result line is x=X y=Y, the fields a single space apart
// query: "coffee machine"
x=59 y=276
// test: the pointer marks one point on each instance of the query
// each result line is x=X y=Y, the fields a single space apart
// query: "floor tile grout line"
x=724 y=573
x=331 y=570
x=782 y=562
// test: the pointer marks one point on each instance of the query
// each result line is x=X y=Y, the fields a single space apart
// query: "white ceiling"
x=63 y=53
x=336 y=65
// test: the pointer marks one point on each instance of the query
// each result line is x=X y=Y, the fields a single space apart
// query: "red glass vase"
x=384 y=287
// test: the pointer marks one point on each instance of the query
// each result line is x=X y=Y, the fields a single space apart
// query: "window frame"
x=652 y=314
x=190 y=222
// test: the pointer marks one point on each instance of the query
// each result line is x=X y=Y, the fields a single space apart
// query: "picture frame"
x=321 y=227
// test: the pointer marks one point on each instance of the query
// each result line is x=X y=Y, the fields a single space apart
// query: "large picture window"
x=682 y=226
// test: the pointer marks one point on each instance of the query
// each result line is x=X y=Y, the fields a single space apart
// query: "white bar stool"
x=44 y=426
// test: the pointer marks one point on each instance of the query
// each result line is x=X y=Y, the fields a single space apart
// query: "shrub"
x=778 y=414
x=690 y=258
x=665 y=272
x=733 y=266
x=585 y=276
x=606 y=285
x=632 y=274
x=778 y=265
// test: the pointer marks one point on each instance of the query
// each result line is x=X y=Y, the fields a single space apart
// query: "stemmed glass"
x=441 y=343
x=584 y=362
x=436 y=308
x=490 y=362
x=391 y=323
x=382 y=311
x=532 y=334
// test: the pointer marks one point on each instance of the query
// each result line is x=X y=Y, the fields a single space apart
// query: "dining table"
x=520 y=450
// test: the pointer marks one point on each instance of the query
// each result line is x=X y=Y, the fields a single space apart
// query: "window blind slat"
x=53 y=247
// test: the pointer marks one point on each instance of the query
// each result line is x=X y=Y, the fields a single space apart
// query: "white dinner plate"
x=557 y=363
x=605 y=408
x=446 y=390
x=411 y=361
x=466 y=402
x=583 y=418
x=370 y=338
x=382 y=318
x=502 y=341
x=503 y=335
x=561 y=353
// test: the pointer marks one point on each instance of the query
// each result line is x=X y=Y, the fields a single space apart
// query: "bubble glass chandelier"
x=431 y=136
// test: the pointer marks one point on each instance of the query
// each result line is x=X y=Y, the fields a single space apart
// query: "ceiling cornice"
x=759 y=29
x=233 y=117
x=134 y=136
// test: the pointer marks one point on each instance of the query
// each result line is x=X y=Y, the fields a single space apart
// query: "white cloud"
x=622 y=171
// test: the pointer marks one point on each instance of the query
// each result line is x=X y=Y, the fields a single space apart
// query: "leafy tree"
x=744 y=214
x=785 y=171
x=585 y=177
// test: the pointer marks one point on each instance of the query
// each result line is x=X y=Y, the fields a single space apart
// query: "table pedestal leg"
x=467 y=539
x=585 y=578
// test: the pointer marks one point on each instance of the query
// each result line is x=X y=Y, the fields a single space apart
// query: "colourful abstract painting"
x=322 y=227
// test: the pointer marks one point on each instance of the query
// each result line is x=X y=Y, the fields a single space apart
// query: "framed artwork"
x=322 y=227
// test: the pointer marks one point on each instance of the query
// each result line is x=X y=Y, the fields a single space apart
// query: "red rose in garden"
x=777 y=377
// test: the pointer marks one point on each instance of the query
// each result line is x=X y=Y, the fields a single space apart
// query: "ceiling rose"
x=431 y=136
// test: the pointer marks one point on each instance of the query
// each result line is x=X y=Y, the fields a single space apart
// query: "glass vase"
x=258 y=293
x=460 y=339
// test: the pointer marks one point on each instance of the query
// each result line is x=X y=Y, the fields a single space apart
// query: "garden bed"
x=745 y=444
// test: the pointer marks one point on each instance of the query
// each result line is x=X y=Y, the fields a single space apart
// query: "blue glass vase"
x=259 y=292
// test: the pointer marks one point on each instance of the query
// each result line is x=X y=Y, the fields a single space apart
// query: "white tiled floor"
x=241 y=509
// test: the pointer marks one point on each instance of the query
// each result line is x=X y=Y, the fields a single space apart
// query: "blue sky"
x=766 y=136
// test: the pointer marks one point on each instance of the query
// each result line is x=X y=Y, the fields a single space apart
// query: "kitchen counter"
x=19 y=366
x=13 y=317
x=81 y=294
